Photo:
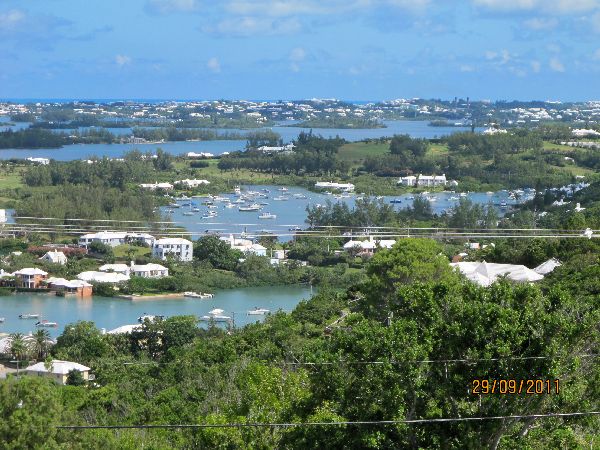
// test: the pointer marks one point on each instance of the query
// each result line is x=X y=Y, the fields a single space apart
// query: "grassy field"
x=356 y=152
x=130 y=251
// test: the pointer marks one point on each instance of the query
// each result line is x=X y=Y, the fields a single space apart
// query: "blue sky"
x=291 y=49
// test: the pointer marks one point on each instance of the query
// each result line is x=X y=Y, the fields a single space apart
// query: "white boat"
x=299 y=196
x=258 y=312
x=196 y=209
x=281 y=198
x=2 y=319
x=188 y=213
x=216 y=315
x=252 y=207
x=283 y=189
x=210 y=215
x=212 y=206
x=230 y=205
x=29 y=316
x=150 y=318
x=267 y=215
x=46 y=324
x=463 y=194
x=489 y=193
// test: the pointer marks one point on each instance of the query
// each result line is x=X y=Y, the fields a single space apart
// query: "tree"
x=163 y=160
x=75 y=378
x=408 y=261
x=81 y=342
x=41 y=338
x=217 y=252
x=19 y=348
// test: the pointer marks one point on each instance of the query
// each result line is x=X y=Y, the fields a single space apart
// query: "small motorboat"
x=150 y=318
x=2 y=319
x=216 y=315
x=267 y=215
x=258 y=312
x=250 y=208
x=281 y=198
x=196 y=209
x=283 y=189
x=295 y=229
x=301 y=196
x=29 y=316
x=46 y=324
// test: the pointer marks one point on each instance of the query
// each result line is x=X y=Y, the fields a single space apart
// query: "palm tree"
x=41 y=338
x=18 y=346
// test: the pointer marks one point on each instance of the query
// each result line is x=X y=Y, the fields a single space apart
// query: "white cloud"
x=467 y=68
x=171 y=6
x=536 y=66
x=298 y=54
x=9 y=20
x=122 y=60
x=556 y=65
x=214 y=65
x=549 y=6
x=596 y=56
x=541 y=23
x=250 y=26
x=501 y=57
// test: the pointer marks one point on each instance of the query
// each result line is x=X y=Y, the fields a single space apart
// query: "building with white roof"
x=276 y=149
x=148 y=270
x=346 y=187
x=117 y=268
x=245 y=246
x=547 y=267
x=409 y=180
x=192 y=184
x=41 y=161
x=179 y=248
x=369 y=246
x=423 y=180
x=484 y=274
x=30 y=278
x=155 y=186
x=102 y=277
x=115 y=238
x=199 y=155
x=125 y=329
x=58 y=370
x=55 y=257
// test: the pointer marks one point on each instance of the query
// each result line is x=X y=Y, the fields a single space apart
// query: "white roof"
x=55 y=255
x=30 y=271
x=147 y=267
x=58 y=367
x=257 y=247
x=548 y=266
x=172 y=241
x=125 y=329
x=114 y=268
x=72 y=284
x=102 y=277
x=484 y=273
x=360 y=244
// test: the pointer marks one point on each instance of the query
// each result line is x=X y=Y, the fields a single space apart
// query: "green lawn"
x=356 y=152
x=130 y=251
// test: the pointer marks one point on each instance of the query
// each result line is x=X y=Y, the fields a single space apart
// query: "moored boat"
x=29 y=316
x=258 y=312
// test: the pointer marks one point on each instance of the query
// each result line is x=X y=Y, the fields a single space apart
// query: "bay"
x=110 y=313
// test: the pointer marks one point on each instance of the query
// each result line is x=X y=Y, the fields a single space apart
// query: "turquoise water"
x=419 y=129
x=110 y=313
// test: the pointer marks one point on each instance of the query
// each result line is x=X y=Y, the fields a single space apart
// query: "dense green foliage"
x=390 y=348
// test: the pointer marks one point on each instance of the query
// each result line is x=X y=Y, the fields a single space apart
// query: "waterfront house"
x=41 y=161
x=148 y=270
x=30 y=278
x=409 y=180
x=289 y=148
x=70 y=287
x=368 y=247
x=55 y=257
x=155 y=186
x=102 y=277
x=192 y=184
x=346 y=187
x=179 y=248
x=58 y=370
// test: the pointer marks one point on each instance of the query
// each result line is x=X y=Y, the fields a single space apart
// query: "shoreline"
x=149 y=297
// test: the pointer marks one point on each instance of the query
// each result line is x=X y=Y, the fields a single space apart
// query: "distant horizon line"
x=156 y=100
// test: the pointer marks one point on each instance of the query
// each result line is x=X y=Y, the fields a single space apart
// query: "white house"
x=55 y=257
x=432 y=180
x=245 y=246
x=346 y=187
x=116 y=268
x=113 y=239
x=59 y=370
x=102 y=277
x=148 y=270
x=41 y=161
x=155 y=186
x=279 y=149
x=199 y=155
x=191 y=184
x=179 y=248
x=423 y=180
x=582 y=132
x=409 y=180
x=369 y=246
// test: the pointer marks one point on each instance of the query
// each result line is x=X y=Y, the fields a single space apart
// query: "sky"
x=298 y=49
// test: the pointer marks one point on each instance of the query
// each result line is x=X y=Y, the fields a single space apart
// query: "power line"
x=337 y=423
